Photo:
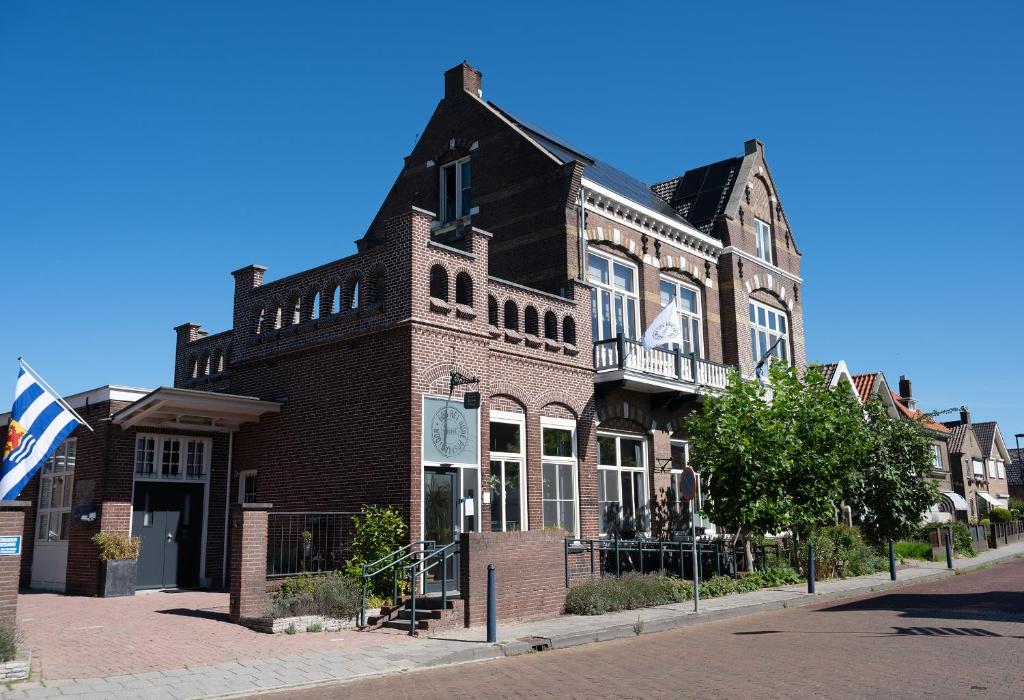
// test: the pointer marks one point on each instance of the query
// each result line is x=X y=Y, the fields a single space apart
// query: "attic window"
x=456 y=190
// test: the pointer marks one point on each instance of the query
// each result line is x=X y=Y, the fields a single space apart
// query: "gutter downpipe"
x=227 y=509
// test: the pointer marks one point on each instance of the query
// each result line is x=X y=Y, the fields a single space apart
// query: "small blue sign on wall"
x=10 y=545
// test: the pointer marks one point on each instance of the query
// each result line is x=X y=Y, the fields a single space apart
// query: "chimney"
x=461 y=79
x=965 y=415
x=753 y=146
x=906 y=393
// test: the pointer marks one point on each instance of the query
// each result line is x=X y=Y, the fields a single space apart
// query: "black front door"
x=168 y=518
x=441 y=521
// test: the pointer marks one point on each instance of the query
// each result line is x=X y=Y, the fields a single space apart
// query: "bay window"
x=768 y=325
x=687 y=298
x=621 y=484
x=613 y=297
x=558 y=469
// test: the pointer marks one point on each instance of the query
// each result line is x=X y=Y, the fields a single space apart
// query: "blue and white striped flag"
x=39 y=423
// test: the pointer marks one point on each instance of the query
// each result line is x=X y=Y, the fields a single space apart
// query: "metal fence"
x=307 y=542
x=588 y=559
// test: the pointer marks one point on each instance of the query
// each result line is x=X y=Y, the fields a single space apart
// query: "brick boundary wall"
x=529 y=574
x=12 y=522
x=248 y=567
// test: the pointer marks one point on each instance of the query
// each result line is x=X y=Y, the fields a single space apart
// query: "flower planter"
x=117 y=577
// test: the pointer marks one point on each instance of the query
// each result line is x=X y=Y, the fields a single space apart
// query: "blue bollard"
x=810 y=568
x=492 y=607
x=892 y=560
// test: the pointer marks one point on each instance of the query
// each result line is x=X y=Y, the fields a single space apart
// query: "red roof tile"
x=914 y=414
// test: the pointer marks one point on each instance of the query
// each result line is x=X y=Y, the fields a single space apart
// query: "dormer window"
x=456 y=190
x=763 y=233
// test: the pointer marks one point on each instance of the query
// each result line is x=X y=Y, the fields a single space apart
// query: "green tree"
x=893 y=485
x=776 y=458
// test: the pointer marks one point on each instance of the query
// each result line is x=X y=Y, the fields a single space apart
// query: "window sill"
x=532 y=341
x=440 y=306
x=373 y=309
x=466 y=312
x=494 y=331
x=570 y=350
x=513 y=336
x=552 y=345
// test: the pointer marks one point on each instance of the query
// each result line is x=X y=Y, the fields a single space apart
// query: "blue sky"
x=148 y=149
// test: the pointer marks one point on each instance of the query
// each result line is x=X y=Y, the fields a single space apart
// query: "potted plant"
x=119 y=556
x=307 y=543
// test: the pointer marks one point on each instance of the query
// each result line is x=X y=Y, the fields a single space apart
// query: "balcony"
x=623 y=360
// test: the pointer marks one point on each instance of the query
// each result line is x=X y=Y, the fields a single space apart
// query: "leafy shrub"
x=963 y=545
x=839 y=552
x=116 y=546
x=331 y=595
x=10 y=639
x=1000 y=515
x=776 y=576
x=378 y=532
x=1017 y=508
x=906 y=549
x=627 y=592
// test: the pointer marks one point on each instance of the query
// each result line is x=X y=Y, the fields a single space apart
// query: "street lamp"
x=1020 y=456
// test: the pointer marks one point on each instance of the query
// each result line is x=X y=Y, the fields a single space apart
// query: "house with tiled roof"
x=873 y=384
x=982 y=456
x=952 y=504
x=1015 y=472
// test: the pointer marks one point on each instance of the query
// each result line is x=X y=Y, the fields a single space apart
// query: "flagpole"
x=28 y=368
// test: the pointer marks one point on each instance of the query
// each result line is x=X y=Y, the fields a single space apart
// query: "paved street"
x=958 y=637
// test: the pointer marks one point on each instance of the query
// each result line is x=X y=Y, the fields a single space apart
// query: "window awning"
x=958 y=501
x=187 y=409
x=993 y=501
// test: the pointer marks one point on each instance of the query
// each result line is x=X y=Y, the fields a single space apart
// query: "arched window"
x=259 y=324
x=194 y=366
x=438 y=282
x=313 y=302
x=492 y=310
x=376 y=287
x=464 y=289
x=569 y=330
x=294 y=310
x=531 y=323
x=218 y=361
x=277 y=314
x=204 y=366
x=550 y=326
x=351 y=296
x=336 y=299
x=511 y=316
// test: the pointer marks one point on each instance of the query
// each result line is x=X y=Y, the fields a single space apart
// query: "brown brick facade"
x=529 y=575
x=12 y=524
x=248 y=569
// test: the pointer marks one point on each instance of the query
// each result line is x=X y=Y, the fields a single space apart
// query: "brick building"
x=504 y=255
x=981 y=454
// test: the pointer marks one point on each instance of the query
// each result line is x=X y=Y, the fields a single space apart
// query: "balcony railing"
x=622 y=354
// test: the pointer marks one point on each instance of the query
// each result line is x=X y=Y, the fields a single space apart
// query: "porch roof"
x=995 y=502
x=188 y=409
x=958 y=501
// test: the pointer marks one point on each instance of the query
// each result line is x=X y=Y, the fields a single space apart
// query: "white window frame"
x=763 y=240
x=630 y=300
x=573 y=462
x=618 y=469
x=1001 y=468
x=158 y=451
x=518 y=419
x=47 y=474
x=784 y=351
x=978 y=467
x=936 y=458
x=687 y=318
x=242 y=477
x=460 y=210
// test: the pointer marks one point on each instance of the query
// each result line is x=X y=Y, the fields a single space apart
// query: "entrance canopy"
x=992 y=500
x=958 y=501
x=187 y=409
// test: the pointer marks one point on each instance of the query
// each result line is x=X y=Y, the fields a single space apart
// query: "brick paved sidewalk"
x=287 y=662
